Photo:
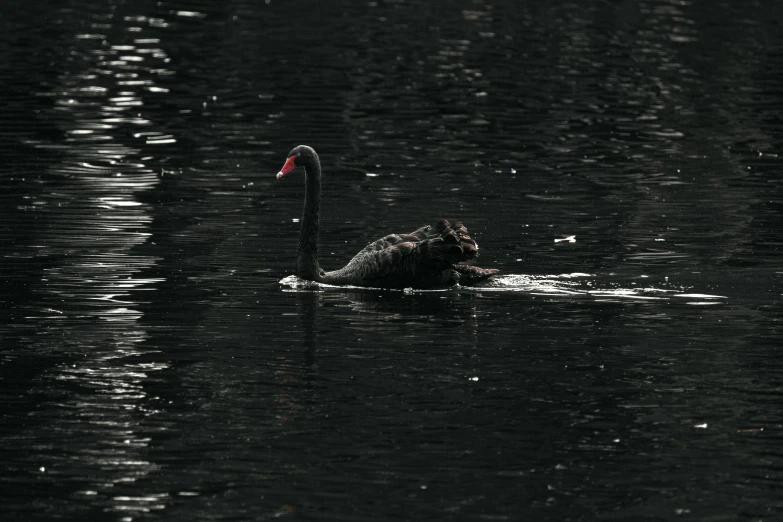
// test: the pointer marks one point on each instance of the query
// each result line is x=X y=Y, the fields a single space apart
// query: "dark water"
x=152 y=365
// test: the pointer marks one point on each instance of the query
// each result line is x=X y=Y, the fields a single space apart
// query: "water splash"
x=574 y=285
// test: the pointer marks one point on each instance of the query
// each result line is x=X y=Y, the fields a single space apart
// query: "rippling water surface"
x=618 y=162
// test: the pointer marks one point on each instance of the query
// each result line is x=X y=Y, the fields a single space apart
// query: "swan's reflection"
x=307 y=304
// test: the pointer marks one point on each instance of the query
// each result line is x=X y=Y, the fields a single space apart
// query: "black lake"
x=618 y=162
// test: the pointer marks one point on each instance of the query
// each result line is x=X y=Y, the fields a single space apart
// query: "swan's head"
x=301 y=156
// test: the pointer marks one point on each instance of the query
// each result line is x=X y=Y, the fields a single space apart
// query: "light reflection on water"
x=89 y=299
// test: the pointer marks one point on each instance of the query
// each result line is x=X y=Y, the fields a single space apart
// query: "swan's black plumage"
x=430 y=256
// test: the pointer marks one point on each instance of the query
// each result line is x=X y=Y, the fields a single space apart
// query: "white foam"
x=573 y=285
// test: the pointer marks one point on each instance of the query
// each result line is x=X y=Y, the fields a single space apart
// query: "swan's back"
x=427 y=257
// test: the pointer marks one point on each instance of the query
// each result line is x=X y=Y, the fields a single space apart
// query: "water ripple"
x=93 y=222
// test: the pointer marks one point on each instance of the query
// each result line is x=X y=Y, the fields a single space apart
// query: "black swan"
x=428 y=257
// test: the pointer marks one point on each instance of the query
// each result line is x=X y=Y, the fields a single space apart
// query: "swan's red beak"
x=288 y=167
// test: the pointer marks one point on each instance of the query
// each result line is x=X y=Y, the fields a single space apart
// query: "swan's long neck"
x=307 y=256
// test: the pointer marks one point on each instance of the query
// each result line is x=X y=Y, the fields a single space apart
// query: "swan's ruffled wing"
x=425 y=257
x=457 y=236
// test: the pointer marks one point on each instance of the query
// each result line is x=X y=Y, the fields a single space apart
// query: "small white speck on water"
x=701 y=426
x=474 y=378
x=42 y=469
